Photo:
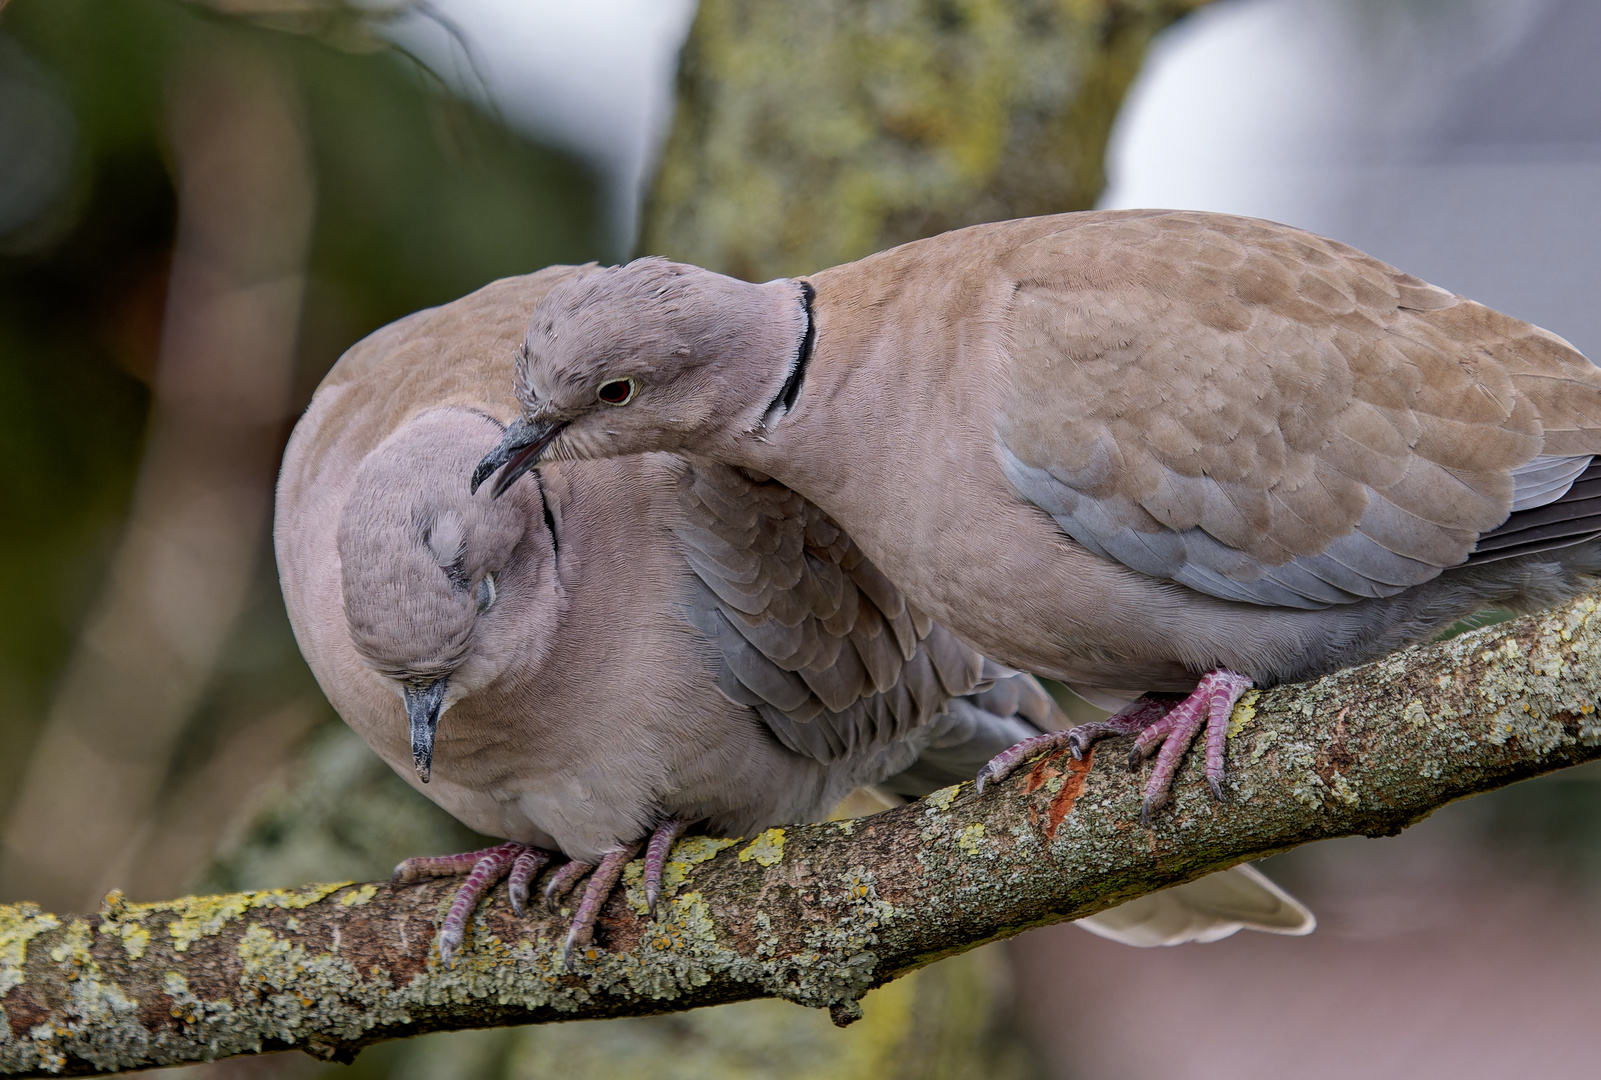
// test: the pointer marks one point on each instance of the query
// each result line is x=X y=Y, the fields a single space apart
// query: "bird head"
x=429 y=569
x=654 y=355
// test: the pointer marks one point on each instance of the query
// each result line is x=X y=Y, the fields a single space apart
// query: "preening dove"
x=1176 y=453
x=617 y=649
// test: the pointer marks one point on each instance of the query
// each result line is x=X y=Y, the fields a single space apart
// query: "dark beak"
x=517 y=453
x=422 y=709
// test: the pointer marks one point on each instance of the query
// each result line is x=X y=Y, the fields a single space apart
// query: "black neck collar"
x=788 y=393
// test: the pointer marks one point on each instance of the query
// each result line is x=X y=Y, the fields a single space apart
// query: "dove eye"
x=486 y=593
x=617 y=392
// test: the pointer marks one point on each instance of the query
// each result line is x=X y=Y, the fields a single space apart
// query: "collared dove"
x=1174 y=452
x=623 y=647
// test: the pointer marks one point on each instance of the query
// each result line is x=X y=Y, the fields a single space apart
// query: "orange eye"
x=616 y=392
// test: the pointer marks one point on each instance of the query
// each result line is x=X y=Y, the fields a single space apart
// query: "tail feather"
x=1573 y=518
x=1208 y=909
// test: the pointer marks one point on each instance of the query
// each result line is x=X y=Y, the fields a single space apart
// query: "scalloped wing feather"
x=808 y=632
x=1271 y=417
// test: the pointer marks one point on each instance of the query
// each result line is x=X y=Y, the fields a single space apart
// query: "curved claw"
x=562 y=881
x=985 y=775
x=523 y=870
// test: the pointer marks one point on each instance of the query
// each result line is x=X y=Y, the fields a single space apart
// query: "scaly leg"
x=599 y=887
x=523 y=871
x=1135 y=716
x=656 y=852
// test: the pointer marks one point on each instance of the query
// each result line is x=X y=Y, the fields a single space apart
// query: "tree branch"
x=817 y=914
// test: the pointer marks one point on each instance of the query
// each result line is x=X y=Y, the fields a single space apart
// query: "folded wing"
x=809 y=633
x=1267 y=416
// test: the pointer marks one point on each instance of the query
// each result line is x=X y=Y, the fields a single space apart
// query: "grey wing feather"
x=808 y=632
x=1544 y=479
x=1572 y=518
x=1369 y=562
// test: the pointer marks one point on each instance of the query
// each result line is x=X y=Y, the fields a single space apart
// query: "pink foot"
x=485 y=868
x=1135 y=716
x=599 y=887
x=661 y=845
x=1209 y=705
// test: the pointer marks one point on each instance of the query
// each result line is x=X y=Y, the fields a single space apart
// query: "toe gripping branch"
x=1172 y=725
x=522 y=864
x=484 y=869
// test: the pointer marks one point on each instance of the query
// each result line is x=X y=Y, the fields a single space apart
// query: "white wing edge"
x=1209 y=909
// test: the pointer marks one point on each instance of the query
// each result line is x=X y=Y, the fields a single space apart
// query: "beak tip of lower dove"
x=423 y=706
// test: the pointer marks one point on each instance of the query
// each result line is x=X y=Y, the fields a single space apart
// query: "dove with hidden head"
x=1176 y=453
x=613 y=650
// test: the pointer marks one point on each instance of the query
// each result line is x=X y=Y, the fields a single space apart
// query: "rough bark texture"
x=815 y=914
x=812 y=134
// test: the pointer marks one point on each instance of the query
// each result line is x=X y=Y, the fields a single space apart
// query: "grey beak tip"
x=484 y=470
x=423 y=705
x=517 y=453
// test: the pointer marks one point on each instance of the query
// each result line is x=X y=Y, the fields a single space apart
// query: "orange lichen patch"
x=1072 y=787
x=1065 y=788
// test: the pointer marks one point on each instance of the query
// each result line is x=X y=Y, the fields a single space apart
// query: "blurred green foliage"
x=420 y=198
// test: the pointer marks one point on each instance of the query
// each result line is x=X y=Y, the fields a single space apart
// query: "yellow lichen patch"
x=135 y=938
x=202 y=916
x=969 y=839
x=119 y=919
x=767 y=849
x=941 y=800
x=19 y=924
x=260 y=947
x=684 y=854
x=358 y=897
x=74 y=945
x=1244 y=712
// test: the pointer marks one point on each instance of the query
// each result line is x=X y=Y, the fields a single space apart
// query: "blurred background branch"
x=177 y=583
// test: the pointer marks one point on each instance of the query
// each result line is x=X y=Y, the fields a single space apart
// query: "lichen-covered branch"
x=816 y=914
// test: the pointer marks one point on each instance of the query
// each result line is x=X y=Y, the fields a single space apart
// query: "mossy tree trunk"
x=813 y=134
